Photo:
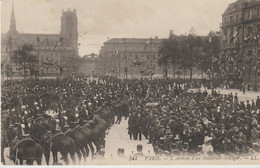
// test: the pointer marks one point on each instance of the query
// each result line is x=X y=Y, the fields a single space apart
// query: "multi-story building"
x=53 y=51
x=130 y=57
x=89 y=64
x=240 y=58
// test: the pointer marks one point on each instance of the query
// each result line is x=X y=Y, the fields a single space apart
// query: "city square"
x=143 y=85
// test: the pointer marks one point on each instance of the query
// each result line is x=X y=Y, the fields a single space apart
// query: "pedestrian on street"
x=138 y=126
x=131 y=126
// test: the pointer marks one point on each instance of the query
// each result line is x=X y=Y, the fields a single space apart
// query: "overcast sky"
x=116 y=18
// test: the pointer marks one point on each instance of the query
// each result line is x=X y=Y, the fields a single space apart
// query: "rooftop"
x=133 y=40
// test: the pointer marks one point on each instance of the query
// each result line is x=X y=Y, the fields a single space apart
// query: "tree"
x=211 y=52
x=26 y=60
x=169 y=53
x=190 y=49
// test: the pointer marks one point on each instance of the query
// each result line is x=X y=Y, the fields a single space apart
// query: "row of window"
x=232 y=18
x=253 y=12
x=249 y=14
x=138 y=56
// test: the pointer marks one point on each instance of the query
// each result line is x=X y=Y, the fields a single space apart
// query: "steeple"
x=12 y=28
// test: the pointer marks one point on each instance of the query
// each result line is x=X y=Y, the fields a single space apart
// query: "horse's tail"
x=72 y=147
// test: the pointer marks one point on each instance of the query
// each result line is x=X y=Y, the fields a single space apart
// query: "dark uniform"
x=138 y=127
x=131 y=126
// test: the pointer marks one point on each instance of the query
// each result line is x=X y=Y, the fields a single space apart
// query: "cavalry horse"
x=43 y=131
x=45 y=138
x=20 y=148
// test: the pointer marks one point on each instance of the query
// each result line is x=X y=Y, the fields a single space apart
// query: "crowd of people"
x=72 y=101
x=172 y=117
x=178 y=120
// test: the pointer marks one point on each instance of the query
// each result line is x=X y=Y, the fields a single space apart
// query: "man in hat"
x=131 y=125
x=83 y=117
x=254 y=134
x=138 y=126
x=241 y=140
x=119 y=118
x=248 y=106
x=35 y=109
x=257 y=102
x=236 y=98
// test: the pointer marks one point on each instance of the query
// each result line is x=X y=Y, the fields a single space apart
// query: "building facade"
x=130 y=57
x=240 y=51
x=53 y=51
x=89 y=64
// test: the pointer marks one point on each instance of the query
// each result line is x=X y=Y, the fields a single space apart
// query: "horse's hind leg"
x=47 y=157
x=87 y=150
x=97 y=143
x=72 y=155
x=21 y=161
x=29 y=162
x=2 y=155
x=39 y=162
x=55 y=157
x=65 y=158
x=92 y=149
x=83 y=152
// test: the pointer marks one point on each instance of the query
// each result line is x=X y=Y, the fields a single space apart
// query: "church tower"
x=12 y=28
x=69 y=29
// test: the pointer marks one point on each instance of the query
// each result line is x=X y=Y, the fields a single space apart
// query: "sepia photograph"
x=130 y=82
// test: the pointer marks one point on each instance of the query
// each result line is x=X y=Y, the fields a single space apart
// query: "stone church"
x=54 y=52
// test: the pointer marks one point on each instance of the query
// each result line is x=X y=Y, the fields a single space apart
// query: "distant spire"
x=192 y=31
x=12 y=28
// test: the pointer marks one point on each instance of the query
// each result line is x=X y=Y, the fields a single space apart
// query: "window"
x=237 y=17
x=225 y=19
x=250 y=14
x=258 y=12
x=231 y=18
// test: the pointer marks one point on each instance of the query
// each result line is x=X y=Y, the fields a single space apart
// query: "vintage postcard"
x=130 y=82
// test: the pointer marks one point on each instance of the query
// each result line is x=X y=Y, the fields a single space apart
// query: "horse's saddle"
x=56 y=135
x=68 y=131
x=76 y=128
x=24 y=140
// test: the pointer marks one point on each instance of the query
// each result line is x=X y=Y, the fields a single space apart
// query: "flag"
x=59 y=43
x=146 y=44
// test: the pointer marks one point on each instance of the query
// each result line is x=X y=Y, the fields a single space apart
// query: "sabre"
x=16 y=155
